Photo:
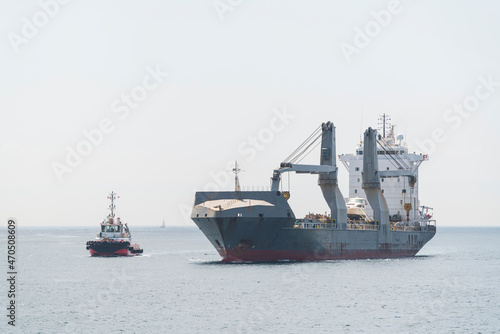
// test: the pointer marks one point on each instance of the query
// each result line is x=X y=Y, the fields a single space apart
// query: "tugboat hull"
x=112 y=248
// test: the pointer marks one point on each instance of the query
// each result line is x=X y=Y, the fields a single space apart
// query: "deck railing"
x=307 y=224
x=361 y=226
x=415 y=225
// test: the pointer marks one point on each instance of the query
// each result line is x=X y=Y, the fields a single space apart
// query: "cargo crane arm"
x=298 y=168
x=322 y=135
x=326 y=170
x=401 y=167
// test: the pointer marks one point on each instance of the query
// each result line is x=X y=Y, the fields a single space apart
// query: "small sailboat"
x=163 y=225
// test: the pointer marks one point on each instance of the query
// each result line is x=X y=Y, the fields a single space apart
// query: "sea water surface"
x=179 y=286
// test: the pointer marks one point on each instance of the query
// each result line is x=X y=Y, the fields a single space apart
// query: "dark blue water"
x=178 y=286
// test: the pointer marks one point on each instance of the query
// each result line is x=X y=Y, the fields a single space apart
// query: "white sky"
x=226 y=78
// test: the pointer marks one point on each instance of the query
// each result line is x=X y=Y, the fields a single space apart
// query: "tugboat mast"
x=112 y=207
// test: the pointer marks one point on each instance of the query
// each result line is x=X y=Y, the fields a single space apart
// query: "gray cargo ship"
x=261 y=225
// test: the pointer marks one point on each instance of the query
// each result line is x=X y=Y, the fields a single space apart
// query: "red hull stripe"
x=251 y=255
x=120 y=252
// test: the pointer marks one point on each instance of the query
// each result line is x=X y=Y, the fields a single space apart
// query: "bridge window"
x=404 y=191
x=110 y=228
x=356 y=169
x=355 y=191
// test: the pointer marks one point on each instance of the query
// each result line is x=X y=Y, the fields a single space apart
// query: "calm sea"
x=178 y=286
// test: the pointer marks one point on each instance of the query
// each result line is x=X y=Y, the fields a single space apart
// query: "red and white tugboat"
x=114 y=238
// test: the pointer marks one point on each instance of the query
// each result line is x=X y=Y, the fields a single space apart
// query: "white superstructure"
x=398 y=170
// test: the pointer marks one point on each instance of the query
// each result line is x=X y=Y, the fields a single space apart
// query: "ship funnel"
x=328 y=181
x=371 y=181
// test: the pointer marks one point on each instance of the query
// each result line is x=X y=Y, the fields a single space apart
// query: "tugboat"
x=114 y=238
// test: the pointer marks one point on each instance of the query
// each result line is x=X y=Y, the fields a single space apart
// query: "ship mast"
x=112 y=207
x=236 y=170
x=384 y=125
x=384 y=121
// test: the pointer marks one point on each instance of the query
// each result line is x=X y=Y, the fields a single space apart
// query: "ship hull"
x=120 y=252
x=112 y=248
x=275 y=239
x=300 y=255
x=270 y=233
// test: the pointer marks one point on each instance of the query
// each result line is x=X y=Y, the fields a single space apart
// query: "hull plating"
x=252 y=255
x=275 y=239
x=114 y=248
x=119 y=252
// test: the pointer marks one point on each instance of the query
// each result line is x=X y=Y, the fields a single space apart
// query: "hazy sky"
x=157 y=97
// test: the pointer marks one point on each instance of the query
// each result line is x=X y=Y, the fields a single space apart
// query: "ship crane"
x=291 y=163
x=424 y=212
x=403 y=169
x=386 y=145
x=327 y=170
